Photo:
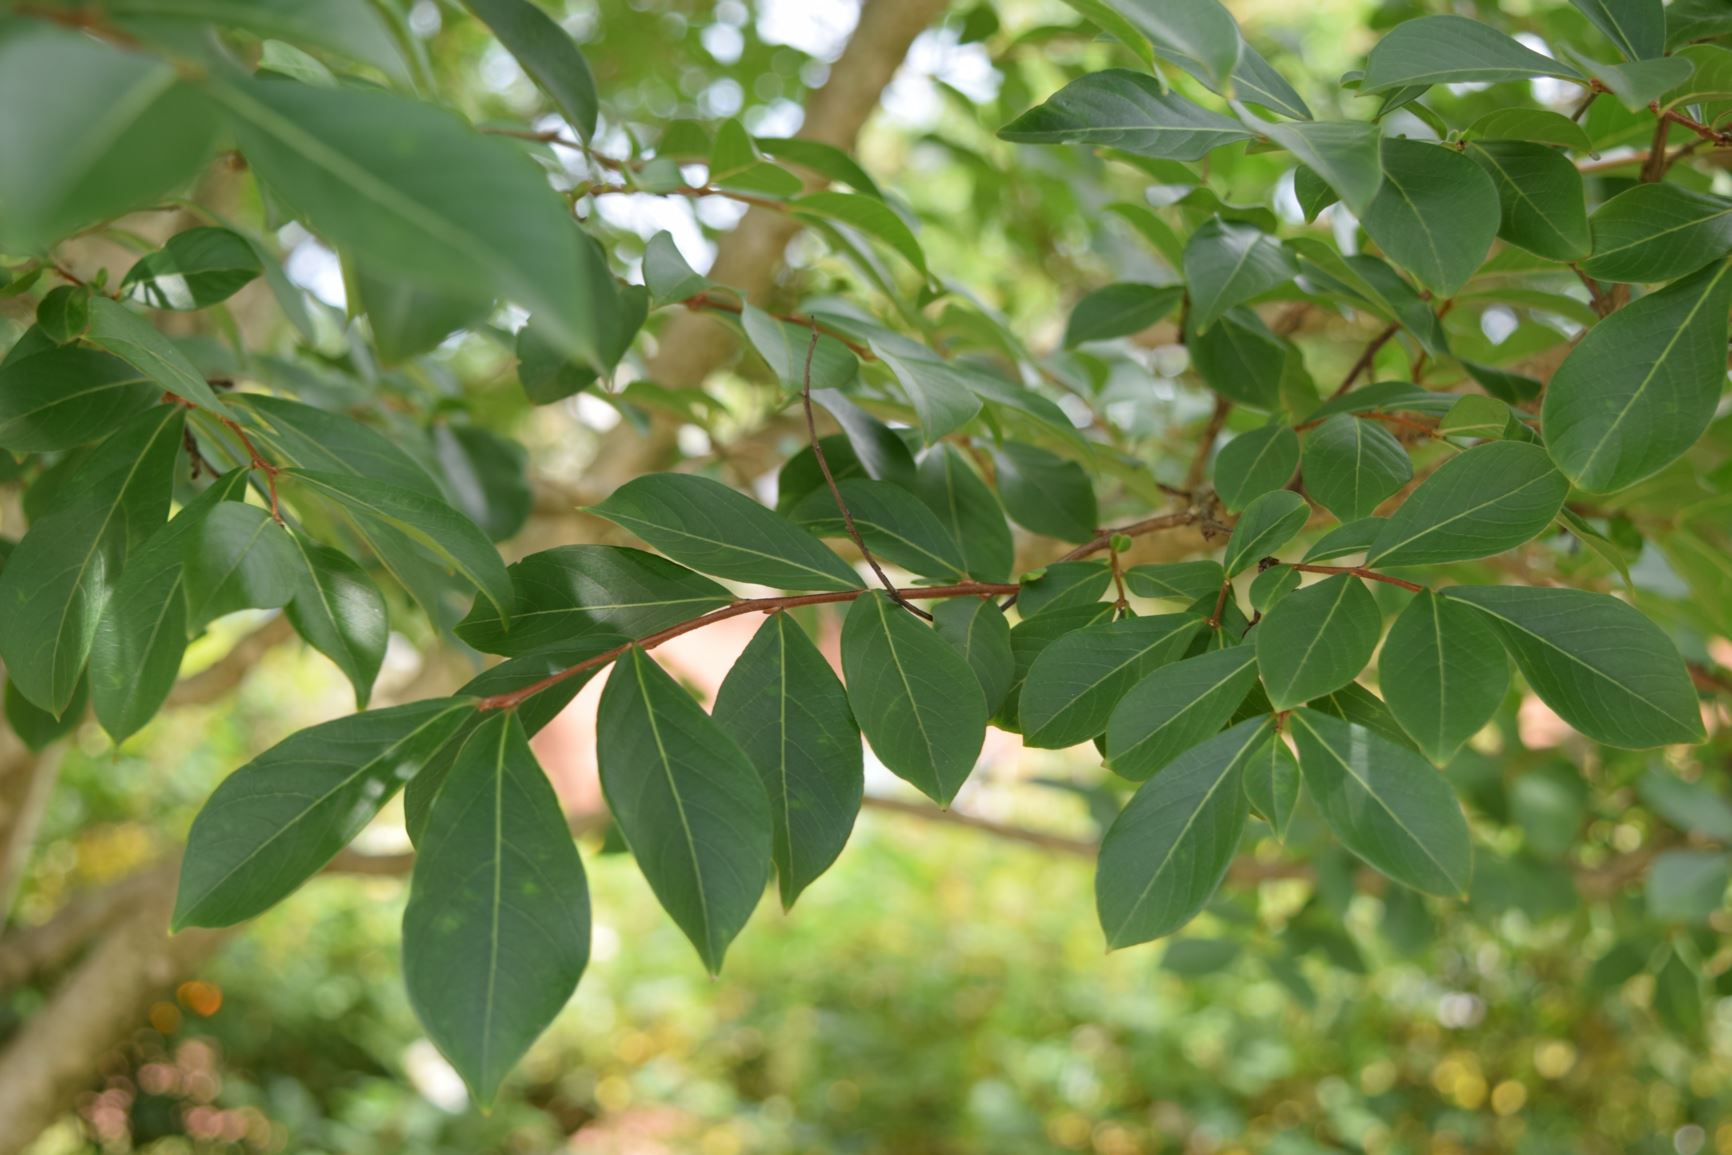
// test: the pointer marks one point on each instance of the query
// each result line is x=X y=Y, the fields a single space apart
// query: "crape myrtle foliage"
x=1463 y=518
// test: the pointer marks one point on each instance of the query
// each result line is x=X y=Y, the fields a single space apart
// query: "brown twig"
x=1354 y=570
x=259 y=462
x=1365 y=359
x=1206 y=444
x=836 y=491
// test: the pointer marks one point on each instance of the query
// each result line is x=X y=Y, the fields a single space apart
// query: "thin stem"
x=258 y=462
x=740 y=608
x=1220 y=604
x=1356 y=571
x=1365 y=359
x=835 y=490
x=1211 y=431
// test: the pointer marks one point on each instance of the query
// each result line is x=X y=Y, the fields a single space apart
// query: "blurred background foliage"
x=943 y=990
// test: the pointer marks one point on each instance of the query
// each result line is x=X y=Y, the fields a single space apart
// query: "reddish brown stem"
x=1356 y=571
x=259 y=463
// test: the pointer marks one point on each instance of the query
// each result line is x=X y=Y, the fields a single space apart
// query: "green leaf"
x=1240 y=359
x=60 y=576
x=1540 y=125
x=1313 y=194
x=1175 y=707
x=827 y=161
x=357 y=32
x=427 y=521
x=1165 y=855
x=788 y=711
x=1637 y=27
x=784 y=345
x=1452 y=50
x=1346 y=155
x=1127 y=111
x=1354 y=703
x=1385 y=804
x=1074 y=685
x=443 y=204
x=716 y=530
x=968 y=510
x=1062 y=585
x=547 y=54
x=1642 y=385
x=1352 y=465
x=1544 y=208
x=1488 y=499
x=1443 y=673
x=408 y=319
x=1272 y=785
x=1639 y=83
x=237 y=558
x=1658 y=232
x=279 y=819
x=1437 y=212
x=485 y=475
x=1228 y=264
x=118 y=330
x=1202 y=30
x=915 y=697
x=1607 y=670
x=895 y=525
x=1183 y=581
x=1317 y=639
x=67 y=396
x=1030 y=638
x=666 y=273
x=496 y=932
x=37 y=728
x=871 y=216
x=1693 y=806
x=1045 y=493
x=689 y=802
x=317 y=439
x=196 y=269
x=564 y=592
x=1688 y=885
x=1678 y=997
x=1478 y=417
x=1268 y=523
x=1119 y=310
x=141 y=637
x=340 y=612
x=977 y=629
x=121 y=131
x=881 y=450
x=1353 y=537
x=1271 y=585
x=942 y=400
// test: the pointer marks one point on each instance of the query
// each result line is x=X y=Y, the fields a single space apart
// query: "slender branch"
x=259 y=462
x=1211 y=431
x=1365 y=359
x=835 y=490
x=1104 y=539
x=1214 y=622
x=1356 y=571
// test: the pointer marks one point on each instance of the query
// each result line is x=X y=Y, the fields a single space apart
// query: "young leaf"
x=1165 y=855
x=1544 y=208
x=788 y=711
x=688 y=800
x=1119 y=310
x=1443 y=673
x=968 y=510
x=67 y=396
x=276 y=821
x=977 y=629
x=1125 y=110
x=563 y=592
x=1227 y=264
x=196 y=269
x=1490 y=499
x=915 y=698
x=1642 y=385
x=719 y=531
x=496 y=932
x=1385 y=804
x=1046 y=493
x=1452 y=50
x=1176 y=707
x=1658 y=232
x=1272 y=785
x=1317 y=639
x=1352 y=464
x=547 y=54
x=340 y=612
x=895 y=525
x=1268 y=523
x=1606 y=669
x=1437 y=213
x=237 y=558
x=1075 y=683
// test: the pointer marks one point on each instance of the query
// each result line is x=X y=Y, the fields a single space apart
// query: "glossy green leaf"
x=340 y=612
x=1344 y=155
x=1637 y=27
x=237 y=558
x=1485 y=501
x=547 y=54
x=690 y=803
x=1240 y=359
x=1352 y=465
x=1607 y=670
x=61 y=574
x=1075 y=683
x=1385 y=803
x=968 y=510
x=1354 y=703
x=789 y=712
x=1175 y=707
x=1443 y=673
x=1268 y=523
x=1317 y=640
x=915 y=697
x=895 y=525
x=1046 y=493
x=1272 y=785
x=717 y=530
x=1165 y=855
x=1453 y=50
x=1127 y=111
x=1437 y=212
x=193 y=270
x=1227 y=264
x=496 y=932
x=1544 y=206
x=1119 y=310
x=1642 y=385
x=279 y=819
x=977 y=629
x=118 y=330
x=68 y=395
x=1658 y=232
